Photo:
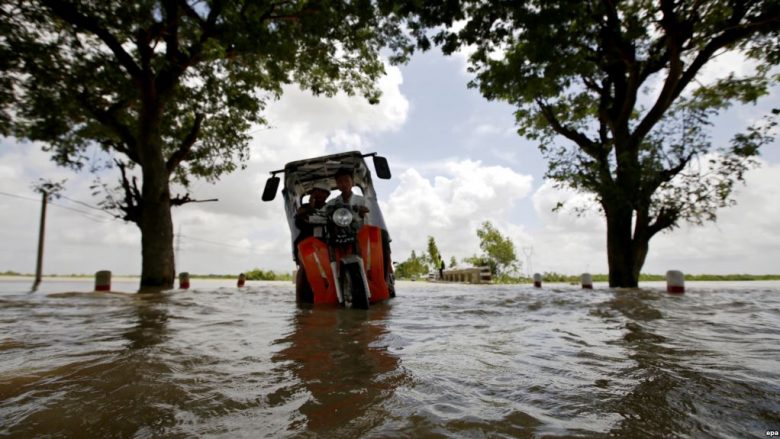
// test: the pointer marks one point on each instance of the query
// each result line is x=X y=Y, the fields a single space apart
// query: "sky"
x=456 y=160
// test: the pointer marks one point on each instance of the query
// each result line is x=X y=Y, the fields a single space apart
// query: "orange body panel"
x=313 y=254
x=370 y=242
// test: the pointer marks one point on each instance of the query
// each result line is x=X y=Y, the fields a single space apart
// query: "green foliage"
x=176 y=85
x=498 y=250
x=483 y=261
x=453 y=262
x=412 y=268
x=433 y=253
x=258 y=274
x=168 y=90
x=613 y=93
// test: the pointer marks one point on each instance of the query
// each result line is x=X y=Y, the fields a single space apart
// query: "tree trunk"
x=157 y=266
x=621 y=257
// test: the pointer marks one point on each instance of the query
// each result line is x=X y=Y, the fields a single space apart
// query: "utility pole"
x=41 y=230
x=47 y=189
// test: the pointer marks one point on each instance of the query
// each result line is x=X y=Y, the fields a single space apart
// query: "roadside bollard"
x=184 y=280
x=587 y=281
x=103 y=280
x=675 y=282
x=537 y=280
x=241 y=280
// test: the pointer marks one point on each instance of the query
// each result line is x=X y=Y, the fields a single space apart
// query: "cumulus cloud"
x=447 y=198
x=231 y=235
x=450 y=205
x=744 y=238
x=570 y=239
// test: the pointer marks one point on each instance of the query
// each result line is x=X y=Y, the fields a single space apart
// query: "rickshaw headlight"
x=342 y=217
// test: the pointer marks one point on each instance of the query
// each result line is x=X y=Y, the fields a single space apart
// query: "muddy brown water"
x=440 y=360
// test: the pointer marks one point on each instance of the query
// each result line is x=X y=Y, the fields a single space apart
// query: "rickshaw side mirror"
x=271 y=185
x=382 y=168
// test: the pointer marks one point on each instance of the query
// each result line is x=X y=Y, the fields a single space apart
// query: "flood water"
x=440 y=360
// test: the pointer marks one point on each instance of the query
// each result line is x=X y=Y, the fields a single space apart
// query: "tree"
x=433 y=253
x=453 y=262
x=620 y=82
x=498 y=251
x=168 y=89
x=412 y=267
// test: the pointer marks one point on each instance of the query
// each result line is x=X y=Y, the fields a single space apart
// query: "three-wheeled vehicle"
x=346 y=260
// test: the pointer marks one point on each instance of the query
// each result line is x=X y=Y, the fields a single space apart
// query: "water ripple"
x=441 y=360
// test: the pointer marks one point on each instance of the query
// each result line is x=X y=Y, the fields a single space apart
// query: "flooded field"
x=440 y=360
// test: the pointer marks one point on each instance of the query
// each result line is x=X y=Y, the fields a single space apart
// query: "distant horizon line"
x=597 y=277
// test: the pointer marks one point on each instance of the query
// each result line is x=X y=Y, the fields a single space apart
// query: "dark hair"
x=344 y=171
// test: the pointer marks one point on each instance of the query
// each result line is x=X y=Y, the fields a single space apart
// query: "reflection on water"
x=340 y=363
x=439 y=361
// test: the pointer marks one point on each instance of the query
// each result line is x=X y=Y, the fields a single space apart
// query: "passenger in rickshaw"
x=344 y=182
x=317 y=196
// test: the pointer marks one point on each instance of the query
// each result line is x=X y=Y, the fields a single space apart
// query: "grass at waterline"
x=255 y=274
x=259 y=274
x=572 y=278
x=568 y=278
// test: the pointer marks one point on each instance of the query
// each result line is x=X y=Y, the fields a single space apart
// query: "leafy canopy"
x=620 y=82
x=433 y=253
x=187 y=77
x=498 y=249
x=412 y=267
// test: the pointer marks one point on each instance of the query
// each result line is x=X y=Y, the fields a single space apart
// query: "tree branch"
x=68 y=12
x=674 y=86
x=178 y=61
x=666 y=218
x=172 y=28
x=621 y=68
x=674 y=40
x=186 y=145
x=180 y=200
x=133 y=199
x=575 y=136
x=665 y=175
x=108 y=118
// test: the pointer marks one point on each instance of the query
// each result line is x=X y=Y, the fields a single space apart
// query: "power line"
x=18 y=196
x=86 y=214
x=103 y=220
x=87 y=205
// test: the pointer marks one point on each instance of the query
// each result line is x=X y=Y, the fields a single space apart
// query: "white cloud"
x=232 y=235
x=566 y=242
x=745 y=238
x=78 y=239
x=451 y=205
x=256 y=234
x=447 y=198
x=305 y=126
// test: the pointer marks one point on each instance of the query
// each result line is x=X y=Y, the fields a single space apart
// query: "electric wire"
x=104 y=220
x=82 y=212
